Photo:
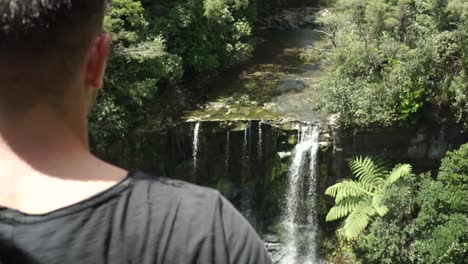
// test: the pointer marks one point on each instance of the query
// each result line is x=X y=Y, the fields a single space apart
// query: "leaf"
x=368 y=171
x=357 y=221
x=398 y=172
x=344 y=208
x=345 y=189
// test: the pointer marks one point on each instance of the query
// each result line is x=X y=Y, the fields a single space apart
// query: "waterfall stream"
x=246 y=158
x=246 y=149
x=300 y=220
x=260 y=141
x=228 y=150
x=196 y=139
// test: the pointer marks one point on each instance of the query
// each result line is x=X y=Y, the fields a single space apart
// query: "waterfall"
x=246 y=150
x=196 y=138
x=260 y=141
x=228 y=150
x=300 y=219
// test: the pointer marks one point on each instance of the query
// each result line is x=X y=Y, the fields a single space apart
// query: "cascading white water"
x=245 y=148
x=260 y=141
x=301 y=235
x=195 y=148
x=245 y=143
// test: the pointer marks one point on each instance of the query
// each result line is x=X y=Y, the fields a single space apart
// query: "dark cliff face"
x=247 y=161
x=245 y=157
x=422 y=146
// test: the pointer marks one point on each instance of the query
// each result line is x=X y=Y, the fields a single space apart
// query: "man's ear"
x=96 y=61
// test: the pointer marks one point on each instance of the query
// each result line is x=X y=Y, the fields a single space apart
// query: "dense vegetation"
x=395 y=62
x=387 y=63
x=159 y=45
x=426 y=219
x=165 y=51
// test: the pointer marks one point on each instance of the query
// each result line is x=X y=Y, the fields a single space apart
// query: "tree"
x=138 y=61
x=441 y=223
x=394 y=63
x=361 y=200
x=157 y=47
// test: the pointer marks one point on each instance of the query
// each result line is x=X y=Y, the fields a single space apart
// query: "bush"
x=442 y=220
x=426 y=221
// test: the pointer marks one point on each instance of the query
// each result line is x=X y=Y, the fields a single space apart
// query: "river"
x=274 y=85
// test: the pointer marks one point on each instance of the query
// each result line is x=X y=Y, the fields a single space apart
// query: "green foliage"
x=454 y=168
x=158 y=45
x=388 y=238
x=390 y=62
x=426 y=221
x=207 y=34
x=443 y=217
x=137 y=63
x=359 y=201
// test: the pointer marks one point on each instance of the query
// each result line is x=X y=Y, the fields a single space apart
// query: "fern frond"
x=357 y=221
x=342 y=209
x=367 y=171
x=398 y=172
x=345 y=189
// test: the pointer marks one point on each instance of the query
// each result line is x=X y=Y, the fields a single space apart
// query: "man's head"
x=50 y=49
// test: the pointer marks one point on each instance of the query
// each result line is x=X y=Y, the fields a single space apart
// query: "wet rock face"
x=274 y=247
x=293 y=18
x=244 y=160
x=423 y=146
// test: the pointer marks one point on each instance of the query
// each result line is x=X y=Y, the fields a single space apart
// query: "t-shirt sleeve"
x=241 y=243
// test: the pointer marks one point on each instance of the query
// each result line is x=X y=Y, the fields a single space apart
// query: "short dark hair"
x=44 y=39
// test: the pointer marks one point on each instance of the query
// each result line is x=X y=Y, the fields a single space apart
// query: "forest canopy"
x=394 y=62
x=158 y=45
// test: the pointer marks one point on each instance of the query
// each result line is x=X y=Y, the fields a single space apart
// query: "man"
x=59 y=203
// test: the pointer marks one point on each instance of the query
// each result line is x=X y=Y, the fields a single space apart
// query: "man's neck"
x=44 y=155
x=41 y=136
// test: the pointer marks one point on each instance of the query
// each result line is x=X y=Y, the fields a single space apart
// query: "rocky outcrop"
x=274 y=247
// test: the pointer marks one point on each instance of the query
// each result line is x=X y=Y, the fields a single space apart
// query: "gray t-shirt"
x=143 y=219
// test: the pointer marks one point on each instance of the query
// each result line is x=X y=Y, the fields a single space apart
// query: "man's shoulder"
x=173 y=193
x=174 y=186
x=190 y=223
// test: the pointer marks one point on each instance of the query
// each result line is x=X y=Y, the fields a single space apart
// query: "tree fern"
x=360 y=200
x=358 y=220
x=397 y=173
x=343 y=209
x=368 y=171
x=347 y=188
